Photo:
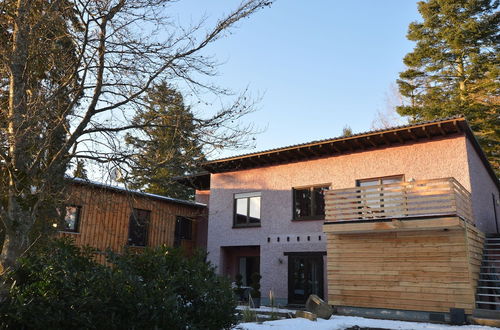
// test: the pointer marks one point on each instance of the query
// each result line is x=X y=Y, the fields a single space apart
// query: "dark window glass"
x=389 y=196
x=247 y=209
x=138 y=227
x=309 y=203
x=183 y=230
x=72 y=218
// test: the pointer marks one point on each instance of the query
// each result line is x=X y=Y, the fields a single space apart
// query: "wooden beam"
x=334 y=147
x=457 y=127
x=358 y=143
x=351 y=227
x=398 y=137
x=314 y=151
x=441 y=129
x=426 y=132
x=370 y=140
x=412 y=135
x=347 y=145
x=386 y=140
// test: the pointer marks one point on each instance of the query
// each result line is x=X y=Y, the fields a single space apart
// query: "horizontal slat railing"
x=397 y=200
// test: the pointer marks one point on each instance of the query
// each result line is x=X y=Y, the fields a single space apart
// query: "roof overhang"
x=199 y=181
x=415 y=133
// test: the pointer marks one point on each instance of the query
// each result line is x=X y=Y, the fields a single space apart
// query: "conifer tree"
x=455 y=66
x=80 y=171
x=168 y=146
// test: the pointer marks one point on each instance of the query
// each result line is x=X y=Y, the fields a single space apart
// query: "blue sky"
x=320 y=65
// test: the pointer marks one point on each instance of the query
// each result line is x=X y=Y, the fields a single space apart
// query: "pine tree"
x=168 y=147
x=455 y=66
x=80 y=171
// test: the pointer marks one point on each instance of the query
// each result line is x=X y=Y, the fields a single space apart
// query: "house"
x=401 y=231
x=105 y=216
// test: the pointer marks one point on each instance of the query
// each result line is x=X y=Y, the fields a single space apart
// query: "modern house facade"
x=111 y=217
x=267 y=210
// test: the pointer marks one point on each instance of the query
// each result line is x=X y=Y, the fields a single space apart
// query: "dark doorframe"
x=305 y=276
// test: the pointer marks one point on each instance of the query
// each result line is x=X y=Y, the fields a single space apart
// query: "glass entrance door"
x=305 y=277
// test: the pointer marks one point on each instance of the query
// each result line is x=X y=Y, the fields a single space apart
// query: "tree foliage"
x=455 y=67
x=168 y=145
x=60 y=286
x=73 y=75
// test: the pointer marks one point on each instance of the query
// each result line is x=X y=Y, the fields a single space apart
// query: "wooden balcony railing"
x=436 y=197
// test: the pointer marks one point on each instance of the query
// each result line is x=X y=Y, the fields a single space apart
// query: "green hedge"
x=59 y=286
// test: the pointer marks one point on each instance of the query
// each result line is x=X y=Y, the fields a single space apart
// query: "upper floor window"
x=309 y=203
x=183 y=230
x=72 y=218
x=375 y=196
x=138 y=227
x=247 y=209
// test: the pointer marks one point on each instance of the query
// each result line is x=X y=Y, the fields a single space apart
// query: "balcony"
x=425 y=199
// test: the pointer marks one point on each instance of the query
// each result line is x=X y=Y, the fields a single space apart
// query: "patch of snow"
x=267 y=309
x=338 y=322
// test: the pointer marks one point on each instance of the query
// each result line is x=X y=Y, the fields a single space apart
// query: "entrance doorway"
x=305 y=276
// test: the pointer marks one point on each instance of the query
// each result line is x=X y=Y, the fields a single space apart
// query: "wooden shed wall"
x=105 y=215
x=431 y=270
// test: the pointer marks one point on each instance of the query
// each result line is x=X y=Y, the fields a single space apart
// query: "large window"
x=376 y=197
x=309 y=203
x=138 y=227
x=247 y=209
x=71 y=218
x=183 y=230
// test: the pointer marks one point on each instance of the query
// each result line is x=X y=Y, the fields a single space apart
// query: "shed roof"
x=135 y=192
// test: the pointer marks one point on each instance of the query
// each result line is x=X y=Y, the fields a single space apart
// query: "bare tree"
x=72 y=76
x=388 y=117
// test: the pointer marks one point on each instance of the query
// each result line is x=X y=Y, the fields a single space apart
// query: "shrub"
x=255 y=285
x=59 y=286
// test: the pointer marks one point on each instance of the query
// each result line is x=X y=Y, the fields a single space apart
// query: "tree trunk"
x=17 y=218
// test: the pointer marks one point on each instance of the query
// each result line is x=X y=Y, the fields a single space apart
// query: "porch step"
x=487 y=303
x=488 y=290
x=489 y=287
x=488 y=295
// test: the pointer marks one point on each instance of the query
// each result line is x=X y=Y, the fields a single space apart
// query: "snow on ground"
x=343 y=322
x=268 y=309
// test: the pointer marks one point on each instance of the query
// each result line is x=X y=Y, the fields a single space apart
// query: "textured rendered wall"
x=427 y=160
x=482 y=188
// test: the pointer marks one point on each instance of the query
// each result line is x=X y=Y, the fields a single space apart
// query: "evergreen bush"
x=60 y=286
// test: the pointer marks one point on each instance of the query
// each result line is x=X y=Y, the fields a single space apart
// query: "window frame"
x=248 y=196
x=178 y=230
x=75 y=230
x=146 y=229
x=380 y=181
x=313 y=206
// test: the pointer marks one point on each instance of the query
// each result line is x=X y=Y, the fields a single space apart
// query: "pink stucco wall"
x=427 y=160
x=484 y=194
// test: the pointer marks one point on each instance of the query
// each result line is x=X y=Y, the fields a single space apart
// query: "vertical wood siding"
x=105 y=214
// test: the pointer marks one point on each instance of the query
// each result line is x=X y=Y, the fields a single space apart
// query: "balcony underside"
x=392 y=225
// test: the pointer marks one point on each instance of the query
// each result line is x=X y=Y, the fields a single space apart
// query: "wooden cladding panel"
x=432 y=270
x=399 y=200
x=105 y=215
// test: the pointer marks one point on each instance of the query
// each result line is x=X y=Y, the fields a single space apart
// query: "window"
x=183 y=230
x=138 y=227
x=71 y=219
x=247 y=209
x=309 y=203
x=375 y=197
